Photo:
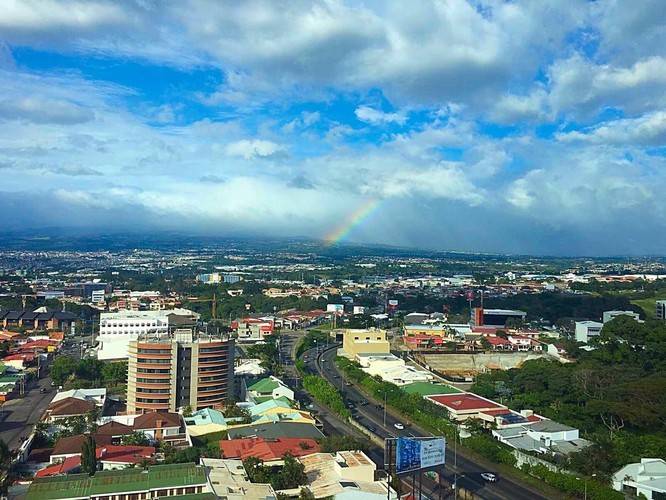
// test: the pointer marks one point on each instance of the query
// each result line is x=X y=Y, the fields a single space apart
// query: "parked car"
x=489 y=477
x=42 y=390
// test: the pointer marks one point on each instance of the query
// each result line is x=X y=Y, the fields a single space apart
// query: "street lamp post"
x=585 y=485
x=384 y=407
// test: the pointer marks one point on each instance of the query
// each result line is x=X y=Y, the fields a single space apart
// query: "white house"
x=392 y=369
x=97 y=396
x=543 y=436
x=609 y=315
x=587 y=330
x=647 y=478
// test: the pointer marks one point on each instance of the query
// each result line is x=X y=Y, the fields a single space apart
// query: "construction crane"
x=213 y=301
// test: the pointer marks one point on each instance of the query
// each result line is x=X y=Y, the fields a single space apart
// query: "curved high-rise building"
x=170 y=371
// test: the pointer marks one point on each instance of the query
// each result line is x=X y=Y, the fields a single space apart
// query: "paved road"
x=372 y=413
x=18 y=416
x=332 y=424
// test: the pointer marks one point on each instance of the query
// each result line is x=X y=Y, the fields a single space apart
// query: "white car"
x=487 y=476
x=398 y=425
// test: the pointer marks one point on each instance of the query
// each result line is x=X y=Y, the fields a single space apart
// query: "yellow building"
x=362 y=341
x=425 y=329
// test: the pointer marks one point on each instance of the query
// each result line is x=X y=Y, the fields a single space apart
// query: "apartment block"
x=183 y=368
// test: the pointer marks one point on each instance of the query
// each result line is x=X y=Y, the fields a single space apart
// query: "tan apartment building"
x=365 y=341
x=182 y=368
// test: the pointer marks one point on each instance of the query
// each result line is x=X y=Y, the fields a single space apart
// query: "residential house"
x=66 y=457
x=161 y=426
x=543 y=436
x=71 y=446
x=646 y=478
x=206 y=421
x=392 y=369
x=69 y=407
x=345 y=474
x=228 y=479
x=114 y=430
x=277 y=410
x=268 y=388
x=96 y=396
x=464 y=405
x=268 y=450
x=276 y=430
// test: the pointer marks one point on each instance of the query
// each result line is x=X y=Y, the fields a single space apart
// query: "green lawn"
x=428 y=388
x=648 y=305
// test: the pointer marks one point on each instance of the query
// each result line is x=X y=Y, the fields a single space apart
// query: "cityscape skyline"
x=468 y=126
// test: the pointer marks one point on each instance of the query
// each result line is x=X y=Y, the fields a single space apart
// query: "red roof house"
x=267 y=449
x=464 y=405
x=69 y=465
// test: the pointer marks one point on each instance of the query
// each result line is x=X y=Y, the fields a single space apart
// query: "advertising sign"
x=414 y=454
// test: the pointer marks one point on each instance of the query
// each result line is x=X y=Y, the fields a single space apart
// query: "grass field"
x=648 y=305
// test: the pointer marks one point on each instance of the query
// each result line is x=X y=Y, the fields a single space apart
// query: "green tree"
x=306 y=494
x=90 y=369
x=291 y=475
x=187 y=411
x=114 y=373
x=89 y=456
x=135 y=439
x=62 y=368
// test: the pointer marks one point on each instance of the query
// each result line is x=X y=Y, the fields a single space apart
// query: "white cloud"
x=646 y=130
x=510 y=108
x=255 y=148
x=44 y=110
x=378 y=117
x=581 y=88
x=432 y=52
x=584 y=187
x=458 y=67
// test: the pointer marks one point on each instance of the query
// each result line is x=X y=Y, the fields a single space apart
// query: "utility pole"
x=455 y=463
x=384 y=407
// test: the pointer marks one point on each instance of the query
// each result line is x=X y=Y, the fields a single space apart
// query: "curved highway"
x=371 y=415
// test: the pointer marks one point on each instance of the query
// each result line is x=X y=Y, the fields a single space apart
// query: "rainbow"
x=353 y=220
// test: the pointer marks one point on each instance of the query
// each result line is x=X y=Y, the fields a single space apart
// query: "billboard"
x=335 y=308
x=413 y=454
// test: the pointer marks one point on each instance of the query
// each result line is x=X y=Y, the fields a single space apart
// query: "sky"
x=484 y=126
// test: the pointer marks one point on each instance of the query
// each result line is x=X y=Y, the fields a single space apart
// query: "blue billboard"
x=414 y=454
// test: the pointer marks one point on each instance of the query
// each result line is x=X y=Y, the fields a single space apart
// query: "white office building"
x=587 y=330
x=97 y=296
x=609 y=315
x=117 y=329
x=660 y=311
